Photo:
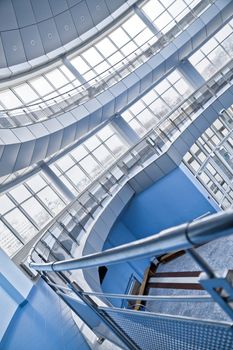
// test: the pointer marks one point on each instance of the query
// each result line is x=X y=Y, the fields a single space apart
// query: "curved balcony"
x=33 y=35
x=48 y=108
x=160 y=151
x=39 y=141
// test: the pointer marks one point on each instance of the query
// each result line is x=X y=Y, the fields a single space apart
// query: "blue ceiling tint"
x=30 y=28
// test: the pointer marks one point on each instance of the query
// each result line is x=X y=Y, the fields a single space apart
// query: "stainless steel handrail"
x=45 y=229
x=184 y=236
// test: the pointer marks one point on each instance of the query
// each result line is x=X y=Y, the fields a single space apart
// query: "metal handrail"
x=166 y=117
x=180 y=237
x=52 y=222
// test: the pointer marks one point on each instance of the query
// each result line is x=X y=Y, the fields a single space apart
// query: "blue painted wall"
x=44 y=323
x=171 y=201
x=118 y=276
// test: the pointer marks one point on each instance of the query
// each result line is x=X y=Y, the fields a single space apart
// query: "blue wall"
x=171 y=201
x=44 y=323
x=118 y=276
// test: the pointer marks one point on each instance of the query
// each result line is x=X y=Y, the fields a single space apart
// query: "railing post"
x=105 y=317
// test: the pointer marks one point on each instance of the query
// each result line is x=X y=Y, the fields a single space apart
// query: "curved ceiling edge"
x=50 y=30
x=24 y=146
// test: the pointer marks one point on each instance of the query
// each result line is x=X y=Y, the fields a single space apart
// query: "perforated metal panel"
x=152 y=332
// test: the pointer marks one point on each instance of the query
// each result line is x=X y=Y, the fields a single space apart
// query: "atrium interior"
x=116 y=174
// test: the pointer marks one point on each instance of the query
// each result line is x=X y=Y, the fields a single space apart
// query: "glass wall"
x=78 y=168
x=210 y=159
x=117 y=49
x=166 y=14
x=157 y=103
x=215 y=53
x=27 y=208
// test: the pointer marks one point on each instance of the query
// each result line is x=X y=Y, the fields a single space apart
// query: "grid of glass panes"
x=78 y=168
x=47 y=86
x=215 y=53
x=157 y=103
x=114 y=53
x=166 y=14
x=116 y=49
x=210 y=160
x=26 y=209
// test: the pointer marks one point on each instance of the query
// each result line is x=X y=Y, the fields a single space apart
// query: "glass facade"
x=157 y=117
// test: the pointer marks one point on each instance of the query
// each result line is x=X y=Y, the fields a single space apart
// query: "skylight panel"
x=105 y=133
x=164 y=22
x=103 y=155
x=177 y=8
x=79 y=152
x=92 y=143
x=129 y=48
x=78 y=177
x=65 y=163
x=90 y=166
x=36 y=183
x=51 y=200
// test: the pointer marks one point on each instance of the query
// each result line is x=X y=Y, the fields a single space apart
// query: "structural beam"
x=124 y=130
x=57 y=182
x=190 y=74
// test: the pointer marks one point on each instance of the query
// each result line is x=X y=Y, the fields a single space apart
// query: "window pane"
x=115 y=145
x=9 y=100
x=78 y=177
x=41 y=86
x=57 y=78
x=92 y=56
x=5 y=204
x=79 y=153
x=51 y=200
x=103 y=155
x=21 y=224
x=65 y=163
x=36 y=212
x=90 y=166
x=8 y=242
x=36 y=183
x=20 y=193
x=26 y=93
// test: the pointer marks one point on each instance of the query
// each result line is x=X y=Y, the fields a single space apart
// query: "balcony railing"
x=32 y=113
x=146 y=329
x=54 y=252
x=71 y=223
